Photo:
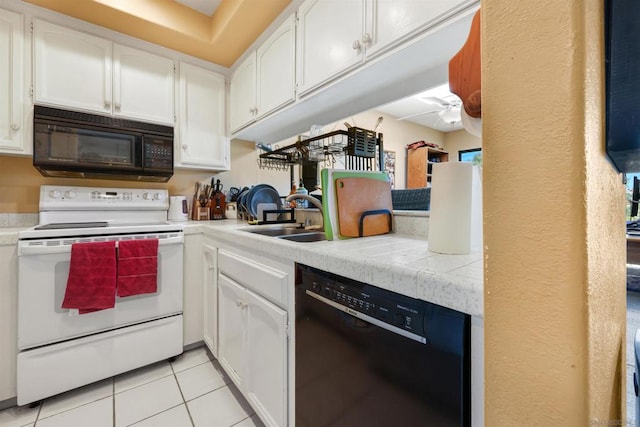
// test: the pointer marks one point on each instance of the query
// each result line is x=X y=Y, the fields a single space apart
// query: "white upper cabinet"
x=336 y=36
x=76 y=70
x=72 y=69
x=143 y=85
x=276 y=69
x=242 y=91
x=265 y=81
x=328 y=40
x=11 y=83
x=390 y=21
x=201 y=142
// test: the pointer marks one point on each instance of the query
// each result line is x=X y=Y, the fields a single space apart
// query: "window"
x=474 y=156
x=630 y=196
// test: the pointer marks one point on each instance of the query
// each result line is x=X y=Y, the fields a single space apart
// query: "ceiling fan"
x=448 y=109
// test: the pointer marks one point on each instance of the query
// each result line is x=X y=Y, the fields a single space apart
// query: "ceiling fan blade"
x=435 y=101
x=418 y=114
x=435 y=125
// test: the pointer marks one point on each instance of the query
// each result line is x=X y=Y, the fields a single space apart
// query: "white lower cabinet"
x=210 y=294
x=266 y=353
x=8 y=321
x=192 y=288
x=253 y=333
x=232 y=332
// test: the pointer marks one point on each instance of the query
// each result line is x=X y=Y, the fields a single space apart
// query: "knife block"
x=200 y=213
x=218 y=206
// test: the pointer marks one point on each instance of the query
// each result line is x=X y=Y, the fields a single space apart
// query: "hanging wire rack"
x=362 y=150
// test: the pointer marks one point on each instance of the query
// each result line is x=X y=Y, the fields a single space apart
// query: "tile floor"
x=192 y=391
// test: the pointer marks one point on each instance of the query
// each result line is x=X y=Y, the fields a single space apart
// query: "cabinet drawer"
x=260 y=278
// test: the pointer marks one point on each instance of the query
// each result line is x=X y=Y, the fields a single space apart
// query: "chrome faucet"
x=315 y=202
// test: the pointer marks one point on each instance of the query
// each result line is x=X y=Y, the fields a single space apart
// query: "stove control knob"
x=70 y=194
x=146 y=196
x=55 y=194
x=156 y=196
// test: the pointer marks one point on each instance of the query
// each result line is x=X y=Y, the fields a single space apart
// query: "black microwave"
x=80 y=145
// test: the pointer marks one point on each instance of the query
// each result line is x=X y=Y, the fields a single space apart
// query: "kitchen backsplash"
x=18 y=219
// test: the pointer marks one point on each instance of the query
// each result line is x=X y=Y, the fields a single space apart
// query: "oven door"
x=43 y=267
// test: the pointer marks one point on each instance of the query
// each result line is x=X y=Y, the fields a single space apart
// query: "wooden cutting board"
x=329 y=205
x=358 y=199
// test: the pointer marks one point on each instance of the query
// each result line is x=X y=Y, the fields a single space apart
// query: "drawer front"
x=264 y=280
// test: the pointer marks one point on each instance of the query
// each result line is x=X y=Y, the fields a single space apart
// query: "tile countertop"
x=396 y=262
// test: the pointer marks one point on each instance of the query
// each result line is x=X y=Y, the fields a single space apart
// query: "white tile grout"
x=184 y=401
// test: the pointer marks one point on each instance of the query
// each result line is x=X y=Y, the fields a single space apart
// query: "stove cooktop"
x=96 y=228
x=59 y=225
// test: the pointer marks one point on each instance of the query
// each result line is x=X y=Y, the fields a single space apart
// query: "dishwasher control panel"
x=394 y=309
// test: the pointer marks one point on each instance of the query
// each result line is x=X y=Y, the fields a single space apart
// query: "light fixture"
x=450 y=115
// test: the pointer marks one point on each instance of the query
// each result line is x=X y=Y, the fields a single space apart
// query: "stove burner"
x=65 y=225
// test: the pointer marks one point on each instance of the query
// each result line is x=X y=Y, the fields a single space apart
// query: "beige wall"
x=460 y=140
x=396 y=135
x=20 y=184
x=554 y=284
x=245 y=172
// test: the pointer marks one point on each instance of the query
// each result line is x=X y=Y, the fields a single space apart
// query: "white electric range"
x=60 y=349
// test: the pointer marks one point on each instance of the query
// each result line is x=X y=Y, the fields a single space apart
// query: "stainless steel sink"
x=290 y=233
x=315 y=236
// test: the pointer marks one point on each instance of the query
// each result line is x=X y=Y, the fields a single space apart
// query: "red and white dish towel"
x=98 y=272
x=137 y=267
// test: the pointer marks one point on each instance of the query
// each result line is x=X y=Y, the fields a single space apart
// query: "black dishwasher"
x=366 y=356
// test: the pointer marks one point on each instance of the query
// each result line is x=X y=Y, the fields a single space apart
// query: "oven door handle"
x=26 y=248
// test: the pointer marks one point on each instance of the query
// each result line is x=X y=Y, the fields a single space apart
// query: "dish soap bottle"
x=301 y=203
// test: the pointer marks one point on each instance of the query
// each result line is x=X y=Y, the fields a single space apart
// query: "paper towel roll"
x=455 y=222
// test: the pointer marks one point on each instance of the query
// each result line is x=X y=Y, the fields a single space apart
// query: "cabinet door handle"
x=357 y=46
x=366 y=39
x=185 y=146
x=118 y=106
x=107 y=104
x=15 y=126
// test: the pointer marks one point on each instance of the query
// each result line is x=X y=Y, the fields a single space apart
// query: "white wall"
x=396 y=135
x=245 y=172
